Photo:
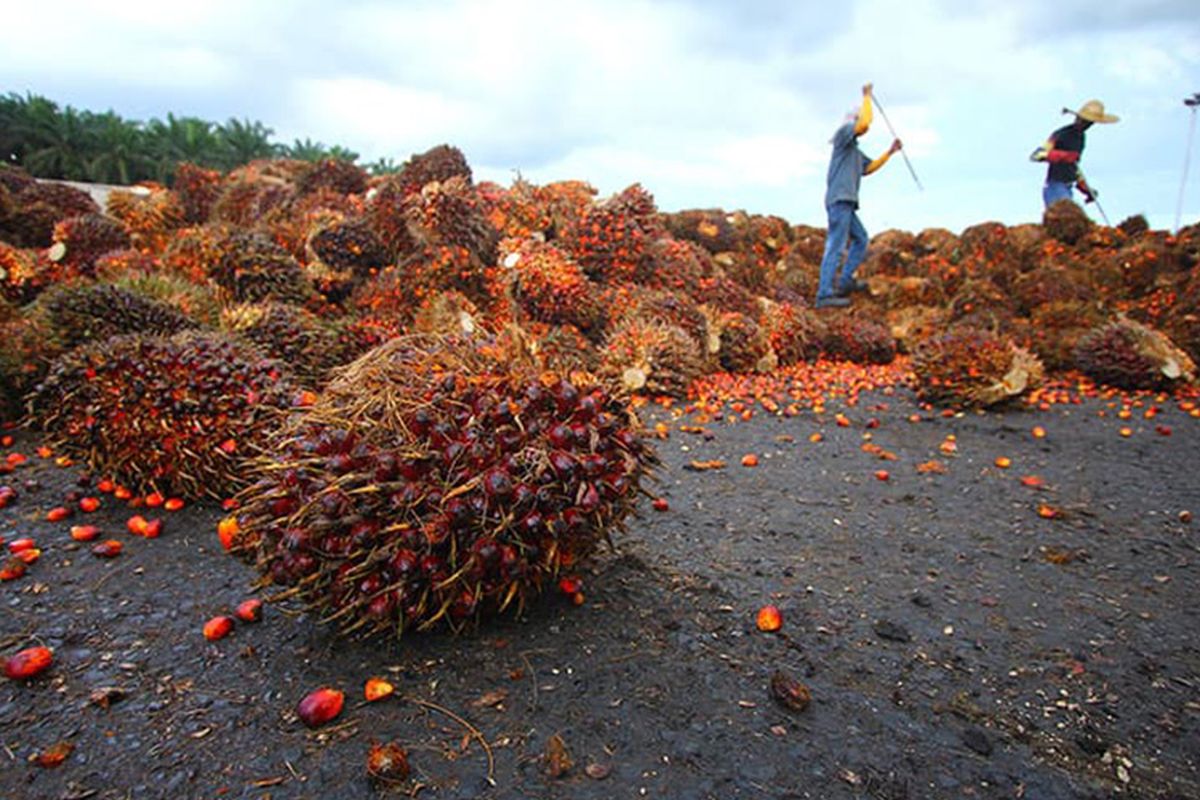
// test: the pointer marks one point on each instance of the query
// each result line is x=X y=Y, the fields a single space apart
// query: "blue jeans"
x=843 y=225
x=1054 y=191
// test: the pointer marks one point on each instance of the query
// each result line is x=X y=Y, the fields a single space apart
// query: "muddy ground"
x=956 y=643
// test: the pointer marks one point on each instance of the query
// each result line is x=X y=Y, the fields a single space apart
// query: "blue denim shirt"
x=846 y=167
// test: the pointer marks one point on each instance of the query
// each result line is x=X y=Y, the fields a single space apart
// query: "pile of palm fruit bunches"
x=420 y=383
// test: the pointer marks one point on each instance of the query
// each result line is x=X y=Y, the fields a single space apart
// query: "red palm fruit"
x=173 y=504
x=28 y=663
x=105 y=486
x=24 y=543
x=29 y=555
x=769 y=619
x=218 y=628
x=122 y=493
x=110 y=548
x=12 y=569
x=377 y=689
x=57 y=514
x=249 y=610
x=661 y=504
x=154 y=500
x=89 y=504
x=320 y=706
x=152 y=528
x=84 y=533
x=137 y=525
x=882 y=475
x=54 y=755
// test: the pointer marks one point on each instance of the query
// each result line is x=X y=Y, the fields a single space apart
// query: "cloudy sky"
x=707 y=103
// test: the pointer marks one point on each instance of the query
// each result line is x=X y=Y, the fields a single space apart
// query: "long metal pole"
x=883 y=114
x=1191 y=102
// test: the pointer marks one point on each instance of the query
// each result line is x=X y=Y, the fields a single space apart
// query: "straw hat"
x=1093 y=111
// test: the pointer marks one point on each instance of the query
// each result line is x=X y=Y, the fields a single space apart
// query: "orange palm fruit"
x=89 y=504
x=227 y=528
x=84 y=533
x=249 y=610
x=218 y=628
x=882 y=474
x=57 y=514
x=28 y=663
x=320 y=706
x=109 y=548
x=12 y=569
x=173 y=504
x=769 y=619
x=154 y=500
x=1003 y=462
x=152 y=528
x=377 y=689
x=24 y=543
x=136 y=525
x=750 y=460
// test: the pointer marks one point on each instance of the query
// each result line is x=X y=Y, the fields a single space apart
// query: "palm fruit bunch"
x=549 y=286
x=249 y=197
x=24 y=356
x=337 y=174
x=94 y=312
x=149 y=218
x=798 y=272
x=763 y=242
x=981 y=303
x=564 y=203
x=434 y=482
x=1133 y=226
x=679 y=310
x=744 y=345
x=22 y=274
x=437 y=268
x=171 y=414
x=650 y=357
x=1049 y=285
x=609 y=241
x=970 y=367
x=674 y=265
x=198 y=189
x=385 y=213
x=391 y=296
x=449 y=313
x=709 y=228
x=1054 y=329
x=251 y=269
x=892 y=254
x=1066 y=222
x=79 y=241
x=198 y=301
x=1143 y=264
x=859 y=340
x=449 y=213
x=1129 y=355
x=912 y=324
x=436 y=164
x=560 y=348
x=516 y=212
x=291 y=335
x=793 y=331
x=724 y=294
x=126 y=263
x=341 y=254
x=193 y=252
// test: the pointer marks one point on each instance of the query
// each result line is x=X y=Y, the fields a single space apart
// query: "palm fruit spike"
x=970 y=367
x=435 y=481
x=678 y=309
x=340 y=175
x=1066 y=222
x=176 y=414
x=650 y=358
x=288 y=334
x=859 y=340
x=610 y=240
x=549 y=286
x=1129 y=355
x=79 y=314
x=436 y=164
x=150 y=218
x=744 y=346
x=709 y=228
x=448 y=213
x=79 y=241
x=674 y=265
x=348 y=245
x=198 y=189
x=794 y=332
x=251 y=268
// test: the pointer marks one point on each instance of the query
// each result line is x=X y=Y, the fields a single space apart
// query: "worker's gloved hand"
x=1089 y=194
x=896 y=145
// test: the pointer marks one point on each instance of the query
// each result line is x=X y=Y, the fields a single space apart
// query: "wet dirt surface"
x=955 y=643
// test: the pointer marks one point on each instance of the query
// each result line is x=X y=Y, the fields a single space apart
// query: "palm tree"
x=343 y=153
x=12 y=143
x=242 y=141
x=182 y=139
x=383 y=166
x=306 y=150
x=121 y=152
x=58 y=144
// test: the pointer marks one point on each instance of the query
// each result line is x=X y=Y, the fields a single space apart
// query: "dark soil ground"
x=956 y=643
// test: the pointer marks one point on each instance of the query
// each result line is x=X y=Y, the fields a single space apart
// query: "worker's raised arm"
x=883 y=159
x=863 y=121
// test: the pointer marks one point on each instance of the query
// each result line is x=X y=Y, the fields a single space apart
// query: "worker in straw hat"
x=1063 y=149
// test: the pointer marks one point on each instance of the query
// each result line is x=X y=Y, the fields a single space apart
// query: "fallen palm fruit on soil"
x=436 y=480
x=387 y=763
x=769 y=619
x=28 y=663
x=84 y=533
x=249 y=610
x=217 y=628
x=320 y=706
x=789 y=692
x=377 y=689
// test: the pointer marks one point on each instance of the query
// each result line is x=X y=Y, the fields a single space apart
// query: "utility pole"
x=1191 y=102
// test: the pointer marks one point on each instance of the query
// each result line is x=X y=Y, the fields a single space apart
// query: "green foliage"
x=66 y=143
